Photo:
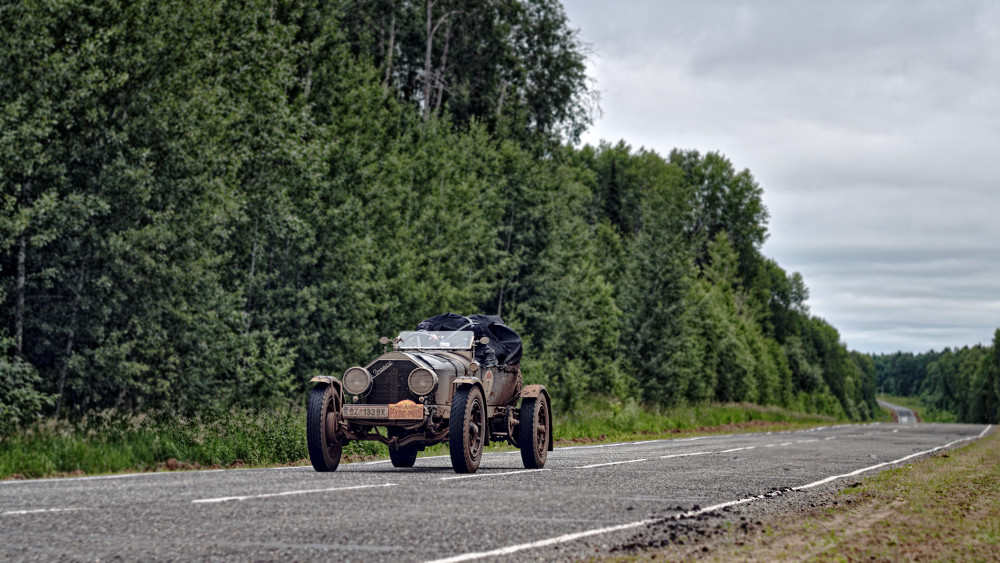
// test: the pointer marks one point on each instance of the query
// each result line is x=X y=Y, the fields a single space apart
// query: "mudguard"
x=474 y=382
x=532 y=392
x=329 y=380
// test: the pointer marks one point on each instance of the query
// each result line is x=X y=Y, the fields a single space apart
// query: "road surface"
x=585 y=502
x=903 y=414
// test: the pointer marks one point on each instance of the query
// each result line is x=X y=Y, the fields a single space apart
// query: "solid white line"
x=492 y=474
x=541 y=543
x=268 y=495
x=571 y=537
x=879 y=465
x=607 y=464
x=38 y=510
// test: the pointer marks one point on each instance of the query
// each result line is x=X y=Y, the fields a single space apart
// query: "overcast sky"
x=872 y=126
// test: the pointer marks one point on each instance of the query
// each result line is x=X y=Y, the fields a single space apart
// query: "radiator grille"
x=389 y=386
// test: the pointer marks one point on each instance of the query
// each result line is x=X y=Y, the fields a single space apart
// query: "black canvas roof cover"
x=504 y=342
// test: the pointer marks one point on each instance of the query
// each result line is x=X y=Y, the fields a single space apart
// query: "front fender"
x=533 y=392
x=330 y=380
x=473 y=382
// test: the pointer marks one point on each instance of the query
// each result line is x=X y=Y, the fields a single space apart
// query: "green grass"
x=630 y=420
x=942 y=508
x=926 y=413
x=113 y=442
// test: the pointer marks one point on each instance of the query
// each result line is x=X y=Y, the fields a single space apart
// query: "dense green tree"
x=209 y=202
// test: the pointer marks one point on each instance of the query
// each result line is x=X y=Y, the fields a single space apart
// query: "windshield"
x=445 y=339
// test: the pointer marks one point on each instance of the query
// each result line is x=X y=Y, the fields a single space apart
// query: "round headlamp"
x=357 y=380
x=421 y=381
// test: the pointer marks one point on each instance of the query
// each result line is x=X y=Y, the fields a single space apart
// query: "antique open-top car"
x=457 y=379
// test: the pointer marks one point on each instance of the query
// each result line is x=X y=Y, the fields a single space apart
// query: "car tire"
x=404 y=456
x=467 y=429
x=533 y=431
x=322 y=413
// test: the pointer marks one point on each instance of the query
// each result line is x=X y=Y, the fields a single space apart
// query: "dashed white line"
x=38 y=510
x=578 y=535
x=492 y=474
x=612 y=463
x=286 y=493
x=736 y=449
x=685 y=455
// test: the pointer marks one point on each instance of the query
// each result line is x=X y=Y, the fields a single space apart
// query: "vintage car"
x=457 y=379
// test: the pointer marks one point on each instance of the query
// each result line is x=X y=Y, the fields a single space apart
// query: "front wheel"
x=467 y=429
x=321 y=428
x=403 y=456
x=533 y=432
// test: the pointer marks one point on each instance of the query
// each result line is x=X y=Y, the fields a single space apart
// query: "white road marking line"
x=39 y=510
x=685 y=455
x=607 y=464
x=806 y=441
x=736 y=449
x=829 y=438
x=540 y=543
x=286 y=493
x=492 y=474
x=893 y=462
x=575 y=536
x=786 y=444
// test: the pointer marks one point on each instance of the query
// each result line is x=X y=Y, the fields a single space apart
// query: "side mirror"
x=484 y=340
x=384 y=340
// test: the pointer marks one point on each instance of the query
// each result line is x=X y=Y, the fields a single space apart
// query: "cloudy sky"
x=873 y=127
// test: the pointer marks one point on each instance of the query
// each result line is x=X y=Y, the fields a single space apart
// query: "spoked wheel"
x=533 y=434
x=404 y=456
x=467 y=429
x=321 y=428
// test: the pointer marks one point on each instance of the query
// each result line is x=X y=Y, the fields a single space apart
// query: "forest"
x=963 y=383
x=207 y=203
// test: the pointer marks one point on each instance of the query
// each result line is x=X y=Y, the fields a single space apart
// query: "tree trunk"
x=69 y=341
x=22 y=244
x=253 y=271
x=441 y=69
x=427 y=59
x=387 y=81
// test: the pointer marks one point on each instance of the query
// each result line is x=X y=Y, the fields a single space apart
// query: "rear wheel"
x=404 y=456
x=467 y=429
x=533 y=432
x=321 y=428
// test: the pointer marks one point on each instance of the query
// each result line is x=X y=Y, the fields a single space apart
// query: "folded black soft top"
x=504 y=344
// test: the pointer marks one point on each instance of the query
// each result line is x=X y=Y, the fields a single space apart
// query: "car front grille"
x=390 y=385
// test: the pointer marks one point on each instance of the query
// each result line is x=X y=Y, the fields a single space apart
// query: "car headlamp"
x=357 y=380
x=421 y=381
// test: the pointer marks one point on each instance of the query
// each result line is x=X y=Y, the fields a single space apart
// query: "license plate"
x=403 y=410
x=366 y=411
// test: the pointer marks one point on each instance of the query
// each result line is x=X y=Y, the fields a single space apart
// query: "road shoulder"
x=943 y=507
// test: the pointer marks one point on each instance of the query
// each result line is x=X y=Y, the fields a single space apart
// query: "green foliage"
x=961 y=382
x=20 y=400
x=205 y=204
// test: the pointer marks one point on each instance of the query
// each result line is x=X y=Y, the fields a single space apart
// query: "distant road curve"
x=903 y=414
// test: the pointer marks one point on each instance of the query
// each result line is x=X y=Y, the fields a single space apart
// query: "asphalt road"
x=587 y=500
x=903 y=414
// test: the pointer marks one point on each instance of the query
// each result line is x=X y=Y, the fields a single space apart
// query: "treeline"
x=209 y=202
x=963 y=382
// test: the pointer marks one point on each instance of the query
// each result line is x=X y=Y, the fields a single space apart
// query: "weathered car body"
x=432 y=387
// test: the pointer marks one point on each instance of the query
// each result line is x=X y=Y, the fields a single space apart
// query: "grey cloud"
x=873 y=126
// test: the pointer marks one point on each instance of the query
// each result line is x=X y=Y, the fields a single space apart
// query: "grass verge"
x=114 y=443
x=944 y=508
